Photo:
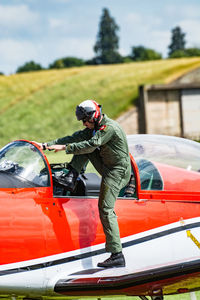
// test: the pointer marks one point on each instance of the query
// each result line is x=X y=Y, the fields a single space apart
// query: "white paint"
x=163 y=251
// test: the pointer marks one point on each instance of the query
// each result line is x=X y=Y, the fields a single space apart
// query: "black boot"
x=114 y=261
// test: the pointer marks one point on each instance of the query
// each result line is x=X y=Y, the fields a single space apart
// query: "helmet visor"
x=83 y=114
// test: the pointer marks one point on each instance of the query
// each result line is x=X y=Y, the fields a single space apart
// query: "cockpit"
x=159 y=163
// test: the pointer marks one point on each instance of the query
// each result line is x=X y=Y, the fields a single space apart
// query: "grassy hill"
x=40 y=105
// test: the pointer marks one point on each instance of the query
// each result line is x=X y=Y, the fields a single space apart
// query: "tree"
x=192 y=52
x=67 y=62
x=178 y=54
x=141 y=53
x=29 y=67
x=107 y=42
x=1 y=73
x=189 y=52
x=57 y=64
x=127 y=59
x=177 y=41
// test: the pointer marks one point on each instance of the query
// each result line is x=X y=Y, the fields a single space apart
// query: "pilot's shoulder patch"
x=102 y=127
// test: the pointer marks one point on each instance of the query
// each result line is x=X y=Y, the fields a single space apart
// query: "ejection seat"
x=88 y=184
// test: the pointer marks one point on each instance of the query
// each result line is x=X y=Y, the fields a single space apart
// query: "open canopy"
x=166 y=163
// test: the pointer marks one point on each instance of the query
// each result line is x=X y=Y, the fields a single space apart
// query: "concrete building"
x=172 y=109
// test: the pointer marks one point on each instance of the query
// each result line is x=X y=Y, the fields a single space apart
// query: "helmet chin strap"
x=96 y=124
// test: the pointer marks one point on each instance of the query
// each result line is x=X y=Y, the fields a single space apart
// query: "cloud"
x=178 y=12
x=13 y=50
x=60 y=26
x=66 y=26
x=140 y=29
x=187 y=17
x=62 y=1
x=148 y=32
x=81 y=47
x=15 y=53
x=159 y=41
x=14 y=18
x=134 y=20
x=191 y=28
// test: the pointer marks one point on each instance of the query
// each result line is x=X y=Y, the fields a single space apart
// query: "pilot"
x=104 y=143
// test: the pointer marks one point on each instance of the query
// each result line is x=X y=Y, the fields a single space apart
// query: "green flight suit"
x=107 y=149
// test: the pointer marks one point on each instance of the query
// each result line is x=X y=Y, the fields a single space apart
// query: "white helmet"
x=88 y=110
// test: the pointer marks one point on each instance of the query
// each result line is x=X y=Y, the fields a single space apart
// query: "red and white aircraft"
x=51 y=241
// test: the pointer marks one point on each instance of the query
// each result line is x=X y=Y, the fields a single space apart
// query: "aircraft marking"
x=192 y=237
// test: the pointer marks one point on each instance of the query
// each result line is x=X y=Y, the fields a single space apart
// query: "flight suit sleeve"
x=101 y=137
x=76 y=137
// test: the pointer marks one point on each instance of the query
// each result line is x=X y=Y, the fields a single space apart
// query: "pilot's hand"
x=40 y=145
x=56 y=148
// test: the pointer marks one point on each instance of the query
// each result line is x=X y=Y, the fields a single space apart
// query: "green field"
x=185 y=296
x=40 y=105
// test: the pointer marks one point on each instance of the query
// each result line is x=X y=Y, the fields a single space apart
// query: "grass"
x=185 y=296
x=40 y=105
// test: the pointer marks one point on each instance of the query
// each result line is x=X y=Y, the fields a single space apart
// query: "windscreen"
x=22 y=165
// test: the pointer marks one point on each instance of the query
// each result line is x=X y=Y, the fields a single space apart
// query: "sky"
x=46 y=30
